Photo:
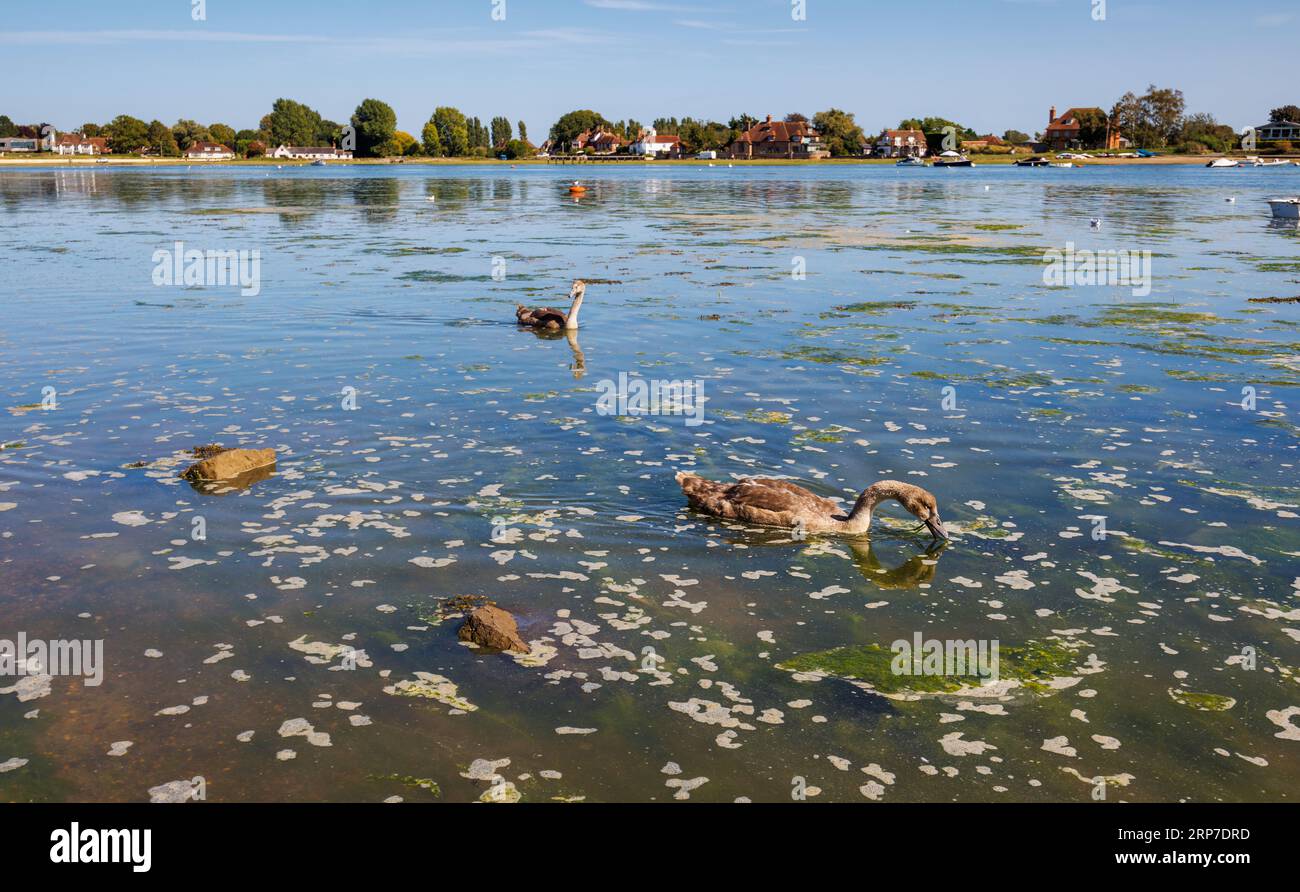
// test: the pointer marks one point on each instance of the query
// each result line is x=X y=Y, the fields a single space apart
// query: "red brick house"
x=602 y=142
x=779 y=139
x=1064 y=132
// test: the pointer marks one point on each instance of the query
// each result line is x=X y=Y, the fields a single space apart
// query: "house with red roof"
x=76 y=144
x=901 y=144
x=656 y=145
x=208 y=151
x=779 y=139
x=600 y=141
x=1067 y=131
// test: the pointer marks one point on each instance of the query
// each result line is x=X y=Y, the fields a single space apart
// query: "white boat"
x=909 y=162
x=1066 y=164
x=1276 y=162
x=1223 y=162
x=1285 y=208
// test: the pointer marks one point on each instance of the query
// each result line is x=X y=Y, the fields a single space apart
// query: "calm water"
x=475 y=463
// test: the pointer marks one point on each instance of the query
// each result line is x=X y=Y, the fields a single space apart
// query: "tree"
x=1202 y=132
x=187 y=133
x=1152 y=120
x=1016 y=138
x=244 y=140
x=328 y=133
x=565 y=130
x=375 y=124
x=291 y=124
x=88 y=130
x=517 y=148
x=796 y=118
x=162 y=140
x=523 y=132
x=405 y=144
x=7 y=127
x=840 y=132
x=742 y=123
x=453 y=131
x=477 y=135
x=696 y=136
x=1284 y=113
x=1093 y=127
x=431 y=139
x=127 y=134
x=502 y=132
x=1129 y=117
x=224 y=134
x=1164 y=110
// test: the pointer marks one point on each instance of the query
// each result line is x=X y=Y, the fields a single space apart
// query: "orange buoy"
x=577 y=189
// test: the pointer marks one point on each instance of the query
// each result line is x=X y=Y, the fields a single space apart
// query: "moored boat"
x=1285 y=208
x=909 y=162
x=1033 y=162
x=1223 y=162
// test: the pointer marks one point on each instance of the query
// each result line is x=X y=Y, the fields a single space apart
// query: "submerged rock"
x=230 y=464
x=492 y=627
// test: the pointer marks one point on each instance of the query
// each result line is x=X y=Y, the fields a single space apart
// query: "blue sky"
x=990 y=64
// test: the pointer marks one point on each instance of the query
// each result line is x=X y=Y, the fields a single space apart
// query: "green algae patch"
x=1201 y=701
x=429 y=686
x=873 y=307
x=1034 y=666
x=827 y=356
x=832 y=434
x=760 y=416
x=1149 y=314
x=418 y=783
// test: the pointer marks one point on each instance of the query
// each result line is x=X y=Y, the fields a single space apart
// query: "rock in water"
x=493 y=627
x=230 y=464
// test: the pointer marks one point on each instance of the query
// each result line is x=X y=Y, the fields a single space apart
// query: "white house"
x=901 y=144
x=654 y=144
x=208 y=151
x=312 y=153
x=76 y=144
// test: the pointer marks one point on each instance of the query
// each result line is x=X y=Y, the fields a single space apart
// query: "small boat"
x=953 y=162
x=1285 y=208
x=1065 y=164
x=1032 y=162
x=1277 y=162
x=909 y=162
x=1223 y=162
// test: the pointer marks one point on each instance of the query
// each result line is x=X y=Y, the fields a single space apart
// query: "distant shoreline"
x=980 y=161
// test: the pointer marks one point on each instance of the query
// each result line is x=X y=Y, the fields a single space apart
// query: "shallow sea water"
x=476 y=463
